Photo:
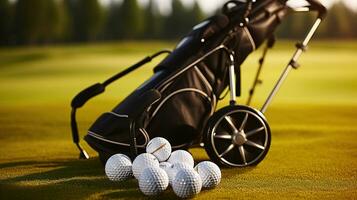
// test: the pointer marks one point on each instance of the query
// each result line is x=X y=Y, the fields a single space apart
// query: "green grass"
x=313 y=120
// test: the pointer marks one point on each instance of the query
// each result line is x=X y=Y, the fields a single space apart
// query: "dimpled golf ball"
x=181 y=156
x=168 y=168
x=165 y=165
x=118 y=167
x=160 y=148
x=187 y=183
x=210 y=174
x=172 y=171
x=153 y=180
x=143 y=161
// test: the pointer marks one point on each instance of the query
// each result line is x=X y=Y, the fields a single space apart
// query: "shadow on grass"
x=74 y=179
x=68 y=179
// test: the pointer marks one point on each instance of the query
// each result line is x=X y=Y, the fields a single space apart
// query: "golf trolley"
x=178 y=102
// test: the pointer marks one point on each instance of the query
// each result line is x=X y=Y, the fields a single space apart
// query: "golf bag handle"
x=321 y=9
x=300 y=48
x=81 y=98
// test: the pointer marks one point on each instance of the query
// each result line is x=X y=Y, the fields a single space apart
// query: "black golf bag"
x=179 y=101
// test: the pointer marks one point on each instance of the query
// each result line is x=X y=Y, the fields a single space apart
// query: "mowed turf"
x=313 y=120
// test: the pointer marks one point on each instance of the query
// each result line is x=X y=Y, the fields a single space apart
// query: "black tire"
x=230 y=142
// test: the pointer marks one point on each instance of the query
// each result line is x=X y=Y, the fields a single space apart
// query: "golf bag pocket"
x=186 y=104
x=109 y=123
x=113 y=128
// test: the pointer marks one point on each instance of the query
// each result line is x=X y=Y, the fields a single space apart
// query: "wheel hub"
x=239 y=138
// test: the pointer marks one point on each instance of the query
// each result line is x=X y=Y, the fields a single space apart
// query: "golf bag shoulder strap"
x=85 y=95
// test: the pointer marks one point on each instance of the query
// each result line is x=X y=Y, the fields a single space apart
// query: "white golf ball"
x=187 y=183
x=143 y=161
x=160 y=148
x=210 y=174
x=168 y=168
x=172 y=171
x=153 y=180
x=165 y=165
x=118 y=167
x=181 y=156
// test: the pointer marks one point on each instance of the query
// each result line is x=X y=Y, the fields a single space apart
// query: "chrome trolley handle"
x=301 y=47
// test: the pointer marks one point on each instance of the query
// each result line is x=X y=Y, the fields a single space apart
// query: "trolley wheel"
x=237 y=136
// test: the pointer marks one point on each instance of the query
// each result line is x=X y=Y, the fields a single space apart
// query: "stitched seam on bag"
x=177 y=92
x=250 y=38
x=99 y=137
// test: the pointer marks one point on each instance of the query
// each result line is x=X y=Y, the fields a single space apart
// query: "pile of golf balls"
x=158 y=168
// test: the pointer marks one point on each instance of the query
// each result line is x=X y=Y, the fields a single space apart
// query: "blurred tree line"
x=340 y=23
x=24 y=22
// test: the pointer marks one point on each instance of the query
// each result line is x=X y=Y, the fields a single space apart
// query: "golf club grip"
x=80 y=99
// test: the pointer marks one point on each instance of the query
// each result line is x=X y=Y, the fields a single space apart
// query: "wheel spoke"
x=231 y=124
x=228 y=137
x=242 y=154
x=253 y=144
x=244 y=122
x=227 y=150
x=250 y=133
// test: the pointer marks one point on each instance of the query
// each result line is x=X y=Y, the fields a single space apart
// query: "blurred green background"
x=313 y=118
x=39 y=22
